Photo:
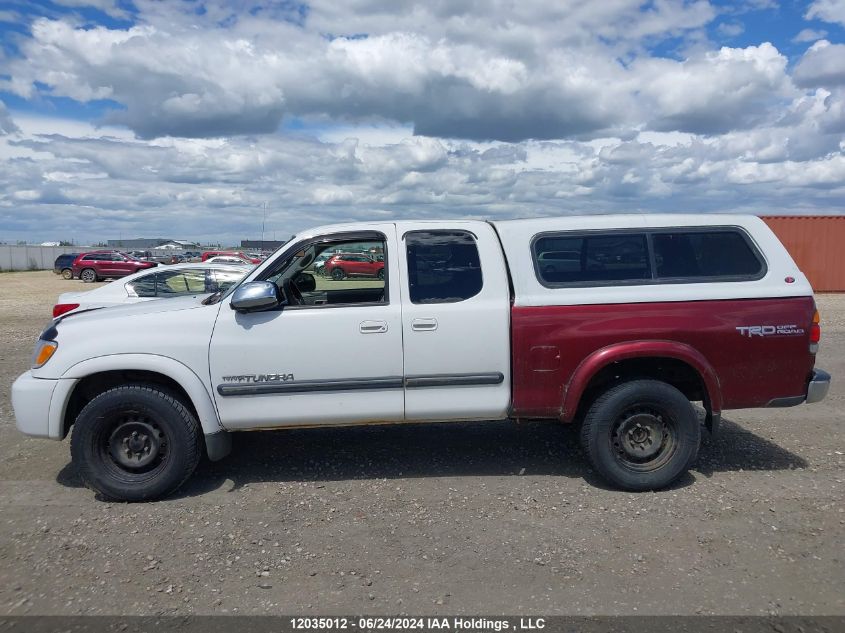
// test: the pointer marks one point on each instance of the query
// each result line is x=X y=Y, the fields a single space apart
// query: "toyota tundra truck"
x=616 y=323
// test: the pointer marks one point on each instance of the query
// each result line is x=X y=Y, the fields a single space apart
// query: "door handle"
x=372 y=327
x=424 y=325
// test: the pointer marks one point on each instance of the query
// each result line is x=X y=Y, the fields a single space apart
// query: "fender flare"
x=173 y=369
x=640 y=349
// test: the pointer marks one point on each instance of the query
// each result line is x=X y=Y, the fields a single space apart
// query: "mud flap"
x=712 y=421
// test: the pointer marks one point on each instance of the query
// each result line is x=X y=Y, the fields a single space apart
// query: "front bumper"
x=31 y=401
x=818 y=387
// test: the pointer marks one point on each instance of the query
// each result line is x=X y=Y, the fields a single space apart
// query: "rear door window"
x=180 y=282
x=443 y=266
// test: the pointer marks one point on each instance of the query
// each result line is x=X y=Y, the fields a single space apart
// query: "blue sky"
x=185 y=118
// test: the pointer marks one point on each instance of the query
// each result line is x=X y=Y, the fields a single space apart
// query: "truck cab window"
x=443 y=266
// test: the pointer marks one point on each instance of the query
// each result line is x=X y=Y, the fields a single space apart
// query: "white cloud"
x=494 y=109
x=732 y=88
x=809 y=35
x=7 y=125
x=731 y=29
x=822 y=65
x=827 y=11
x=538 y=71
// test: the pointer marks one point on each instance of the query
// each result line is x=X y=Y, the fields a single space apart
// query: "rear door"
x=111 y=264
x=455 y=322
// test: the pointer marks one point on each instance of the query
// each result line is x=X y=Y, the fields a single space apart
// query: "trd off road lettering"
x=259 y=378
x=770 y=330
x=618 y=322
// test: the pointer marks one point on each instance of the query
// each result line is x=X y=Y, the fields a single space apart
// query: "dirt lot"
x=464 y=518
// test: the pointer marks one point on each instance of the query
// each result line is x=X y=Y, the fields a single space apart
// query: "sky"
x=206 y=120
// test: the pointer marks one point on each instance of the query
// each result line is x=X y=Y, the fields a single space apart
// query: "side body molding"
x=177 y=371
x=640 y=349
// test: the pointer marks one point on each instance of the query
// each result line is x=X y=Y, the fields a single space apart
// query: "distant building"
x=178 y=244
x=141 y=243
x=146 y=243
x=261 y=245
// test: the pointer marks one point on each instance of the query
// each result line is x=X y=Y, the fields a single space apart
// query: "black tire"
x=641 y=435
x=67 y=273
x=88 y=275
x=381 y=274
x=338 y=274
x=167 y=443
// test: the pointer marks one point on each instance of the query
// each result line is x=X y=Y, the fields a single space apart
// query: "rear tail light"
x=61 y=308
x=815 y=333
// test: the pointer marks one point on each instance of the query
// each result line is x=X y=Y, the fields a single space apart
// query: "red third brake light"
x=61 y=308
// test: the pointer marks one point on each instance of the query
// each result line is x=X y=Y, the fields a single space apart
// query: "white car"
x=228 y=259
x=177 y=280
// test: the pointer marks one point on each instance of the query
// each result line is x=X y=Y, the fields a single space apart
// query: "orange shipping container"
x=817 y=244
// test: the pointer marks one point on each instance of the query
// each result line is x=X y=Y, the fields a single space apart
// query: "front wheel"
x=89 y=275
x=135 y=443
x=67 y=273
x=641 y=435
x=338 y=274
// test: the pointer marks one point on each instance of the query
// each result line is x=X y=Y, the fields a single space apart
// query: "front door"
x=456 y=323
x=332 y=355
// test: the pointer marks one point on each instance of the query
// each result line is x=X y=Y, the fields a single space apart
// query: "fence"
x=42 y=257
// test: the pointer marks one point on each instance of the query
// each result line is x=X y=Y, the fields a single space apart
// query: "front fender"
x=173 y=369
x=640 y=349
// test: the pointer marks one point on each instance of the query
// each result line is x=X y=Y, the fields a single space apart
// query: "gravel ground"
x=449 y=518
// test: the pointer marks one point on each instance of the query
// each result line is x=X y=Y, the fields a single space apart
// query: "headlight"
x=43 y=352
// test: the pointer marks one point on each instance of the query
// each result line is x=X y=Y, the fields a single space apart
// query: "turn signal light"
x=61 y=308
x=43 y=352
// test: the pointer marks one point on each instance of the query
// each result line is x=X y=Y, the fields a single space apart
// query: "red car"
x=98 y=265
x=246 y=258
x=354 y=265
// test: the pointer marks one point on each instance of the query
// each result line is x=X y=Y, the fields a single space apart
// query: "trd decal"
x=769 y=330
x=259 y=378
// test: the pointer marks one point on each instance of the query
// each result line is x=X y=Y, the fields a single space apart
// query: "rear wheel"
x=89 y=275
x=641 y=435
x=338 y=274
x=135 y=443
x=381 y=274
x=67 y=273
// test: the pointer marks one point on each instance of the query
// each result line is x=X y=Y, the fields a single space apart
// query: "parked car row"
x=111 y=264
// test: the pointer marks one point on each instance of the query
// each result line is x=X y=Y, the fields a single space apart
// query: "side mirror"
x=255 y=296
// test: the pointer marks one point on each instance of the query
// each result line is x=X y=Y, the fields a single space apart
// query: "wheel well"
x=91 y=386
x=672 y=371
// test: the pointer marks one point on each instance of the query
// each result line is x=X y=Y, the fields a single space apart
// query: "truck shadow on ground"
x=443 y=450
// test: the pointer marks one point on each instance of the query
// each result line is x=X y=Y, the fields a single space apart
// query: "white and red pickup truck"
x=617 y=323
